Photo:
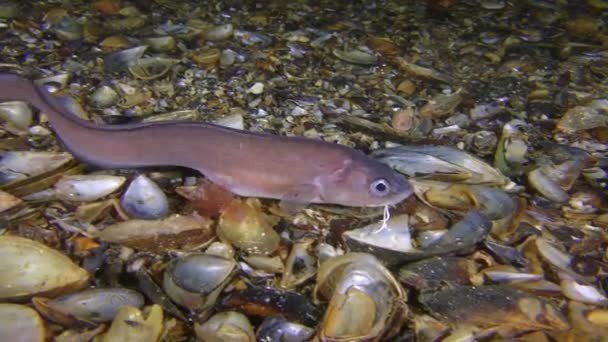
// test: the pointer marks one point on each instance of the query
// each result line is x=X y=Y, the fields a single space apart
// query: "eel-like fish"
x=295 y=170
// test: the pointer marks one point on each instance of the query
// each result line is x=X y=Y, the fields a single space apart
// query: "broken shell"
x=582 y=293
x=244 y=226
x=54 y=83
x=442 y=163
x=235 y=121
x=356 y=57
x=262 y=265
x=463 y=235
x=151 y=68
x=391 y=242
x=121 y=60
x=87 y=188
x=145 y=199
x=267 y=302
x=31 y=268
x=512 y=149
x=15 y=166
x=226 y=326
x=127 y=24
x=547 y=187
x=206 y=56
x=160 y=44
x=134 y=99
x=432 y=273
x=114 y=43
x=366 y=302
x=195 y=281
x=491 y=306
x=585 y=117
x=509 y=274
x=92 y=305
x=422 y=72
x=220 y=32
x=175 y=231
x=8 y=201
x=67 y=28
x=130 y=324
x=441 y=105
x=20 y=323
x=103 y=97
x=494 y=203
x=276 y=328
x=228 y=57
x=300 y=265
x=17 y=116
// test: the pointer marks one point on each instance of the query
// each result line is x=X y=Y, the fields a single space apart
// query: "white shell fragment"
x=145 y=199
x=30 y=268
x=84 y=188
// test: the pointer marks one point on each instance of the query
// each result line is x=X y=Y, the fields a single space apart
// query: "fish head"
x=365 y=182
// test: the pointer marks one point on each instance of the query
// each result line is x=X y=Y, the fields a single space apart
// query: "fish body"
x=292 y=169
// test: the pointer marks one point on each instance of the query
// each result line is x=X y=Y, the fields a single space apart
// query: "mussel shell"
x=92 y=305
x=31 y=268
x=266 y=302
x=145 y=199
x=366 y=301
x=195 y=280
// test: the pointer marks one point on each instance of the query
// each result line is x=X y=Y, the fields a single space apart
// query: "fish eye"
x=380 y=187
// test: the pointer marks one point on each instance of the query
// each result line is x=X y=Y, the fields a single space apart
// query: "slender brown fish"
x=295 y=170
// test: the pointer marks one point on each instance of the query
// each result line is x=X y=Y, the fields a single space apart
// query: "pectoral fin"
x=298 y=197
